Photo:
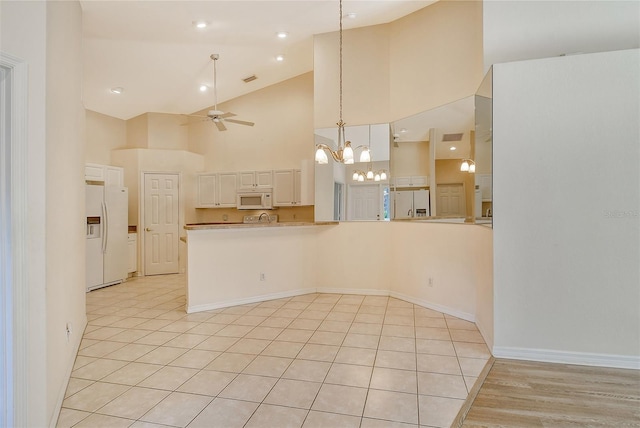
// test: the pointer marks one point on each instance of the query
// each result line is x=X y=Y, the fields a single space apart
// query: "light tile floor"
x=316 y=360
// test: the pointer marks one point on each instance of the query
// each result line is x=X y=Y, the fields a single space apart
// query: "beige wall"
x=65 y=219
x=166 y=131
x=281 y=138
x=395 y=70
x=104 y=133
x=138 y=132
x=435 y=56
x=411 y=158
x=296 y=260
x=365 y=76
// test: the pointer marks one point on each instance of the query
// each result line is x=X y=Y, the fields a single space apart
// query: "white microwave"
x=254 y=200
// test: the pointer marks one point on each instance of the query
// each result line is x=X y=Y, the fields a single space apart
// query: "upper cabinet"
x=287 y=188
x=216 y=190
x=109 y=175
x=411 y=181
x=253 y=180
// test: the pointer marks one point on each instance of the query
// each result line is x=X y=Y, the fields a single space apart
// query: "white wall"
x=23 y=35
x=521 y=30
x=566 y=214
x=47 y=36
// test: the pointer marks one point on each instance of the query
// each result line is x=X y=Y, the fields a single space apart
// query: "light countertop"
x=205 y=226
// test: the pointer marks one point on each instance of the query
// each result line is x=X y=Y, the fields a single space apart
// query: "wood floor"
x=531 y=394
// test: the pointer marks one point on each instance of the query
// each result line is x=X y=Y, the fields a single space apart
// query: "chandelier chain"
x=340 y=61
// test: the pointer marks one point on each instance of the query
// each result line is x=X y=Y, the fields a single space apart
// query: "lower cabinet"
x=132 y=248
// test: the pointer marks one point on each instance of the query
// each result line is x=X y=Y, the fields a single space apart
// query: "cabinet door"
x=113 y=176
x=264 y=179
x=246 y=180
x=93 y=172
x=227 y=190
x=206 y=191
x=133 y=250
x=419 y=181
x=283 y=189
x=403 y=181
x=297 y=187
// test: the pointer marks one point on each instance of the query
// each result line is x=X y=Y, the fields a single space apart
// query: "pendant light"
x=344 y=152
x=468 y=166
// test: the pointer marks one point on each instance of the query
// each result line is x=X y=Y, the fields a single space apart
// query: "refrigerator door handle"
x=105 y=227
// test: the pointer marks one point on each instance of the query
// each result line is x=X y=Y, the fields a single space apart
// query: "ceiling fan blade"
x=228 y=114
x=220 y=125
x=240 y=122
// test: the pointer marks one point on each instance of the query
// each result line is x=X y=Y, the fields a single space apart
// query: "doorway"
x=451 y=200
x=15 y=314
x=161 y=224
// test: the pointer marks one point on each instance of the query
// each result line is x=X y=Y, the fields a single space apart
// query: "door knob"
x=148 y=229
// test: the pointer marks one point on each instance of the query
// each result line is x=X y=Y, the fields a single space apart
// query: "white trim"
x=249 y=300
x=444 y=309
x=331 y=290
x=578 y=358
x=18 y=283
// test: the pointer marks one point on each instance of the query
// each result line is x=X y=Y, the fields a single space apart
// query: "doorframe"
x=464 y=194
x=141 y=226
x=349 y=203
x=14 y=296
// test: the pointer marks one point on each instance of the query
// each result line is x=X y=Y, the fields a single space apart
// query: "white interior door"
x=451 y=200
x=161 y=223
x=364 y=202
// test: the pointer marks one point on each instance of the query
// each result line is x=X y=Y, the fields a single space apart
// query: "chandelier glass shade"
x=468 y=166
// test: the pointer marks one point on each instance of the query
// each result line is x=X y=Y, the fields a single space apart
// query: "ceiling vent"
x=452 y=137
x=249 y=79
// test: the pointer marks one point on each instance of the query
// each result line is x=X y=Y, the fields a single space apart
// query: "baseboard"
x=249 y=300
x=54 y=419
x=364 y=292
x=563 y=357
x=440 y=308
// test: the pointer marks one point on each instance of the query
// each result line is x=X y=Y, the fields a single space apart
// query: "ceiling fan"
x=216 y=116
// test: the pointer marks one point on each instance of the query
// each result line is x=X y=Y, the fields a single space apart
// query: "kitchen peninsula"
x=235 y=264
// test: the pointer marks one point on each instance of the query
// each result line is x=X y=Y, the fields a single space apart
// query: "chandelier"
x=468 y=166
x=370 y=175
x=344 y=152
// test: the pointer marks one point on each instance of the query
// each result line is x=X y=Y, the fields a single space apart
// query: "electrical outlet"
x=69 y=329
x=262 y=276
x=225 y=217
x=430 y=282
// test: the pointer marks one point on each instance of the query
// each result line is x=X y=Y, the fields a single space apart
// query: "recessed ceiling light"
x=452 y=148
x=203 y=88
x=280 y=58
x=200 y=24
x=403 y=130
x=351 y=15
x=282 y=34
x=117 y=90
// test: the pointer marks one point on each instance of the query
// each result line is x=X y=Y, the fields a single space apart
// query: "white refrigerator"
x=107 y=230
x=410 y=204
